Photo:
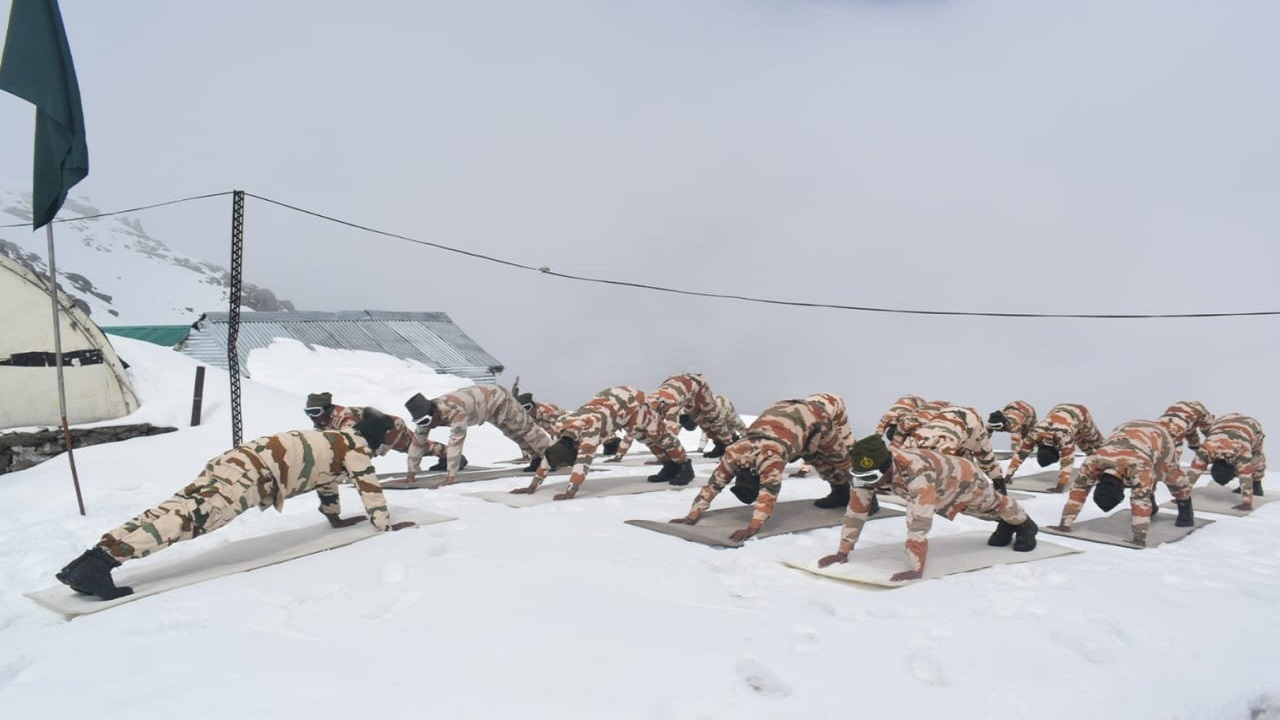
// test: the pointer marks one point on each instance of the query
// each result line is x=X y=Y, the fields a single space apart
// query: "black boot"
x=683 y=475
x=1186 y=518
x=839 y=497
x=90 y=574
x=441 y=464
x=716 y=450
x=1257 y=488
x=1003 y=534
x=533 y=464
x=668 y=471
x=1026 y=534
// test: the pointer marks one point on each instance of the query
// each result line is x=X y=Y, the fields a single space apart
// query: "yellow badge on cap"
x=866 y=463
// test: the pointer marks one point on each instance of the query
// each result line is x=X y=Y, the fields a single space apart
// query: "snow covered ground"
x=563 y=611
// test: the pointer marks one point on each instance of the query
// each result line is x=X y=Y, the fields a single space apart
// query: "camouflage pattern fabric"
x=547 y=416
x=1185 y=420
x=932 y=483
x=1140 y=453
x=815 y=428
x=479 y=404
x=1236 y=439
x=689 y=393
x=261 y=473
x=902 y=406
x=400 y=437
x=621 y=408
x=916 y=419
x=731 y=419
x=1020 y=420
x=1066 y=427
x=959 y=431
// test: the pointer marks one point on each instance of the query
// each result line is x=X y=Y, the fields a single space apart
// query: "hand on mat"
x=566 y=495
x=447 y=481
x=906 y=575
x=1055 y=489
x=833 y=559
x=408 y=478
x=1242 y=506
x=614 y=459
x=403 y=525
x=743 y=534
x=1060 y=528
x=686 y=520
x=525 y=490
x=337 y=522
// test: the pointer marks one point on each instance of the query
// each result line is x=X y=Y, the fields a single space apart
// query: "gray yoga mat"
x=1115 y=530
x=716 y=526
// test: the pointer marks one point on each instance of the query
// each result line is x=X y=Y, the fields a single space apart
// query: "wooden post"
x=197 y=396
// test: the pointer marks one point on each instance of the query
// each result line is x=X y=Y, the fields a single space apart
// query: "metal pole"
x=57 y=355
x=233 y=315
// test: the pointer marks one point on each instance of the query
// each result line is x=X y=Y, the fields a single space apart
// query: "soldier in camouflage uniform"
x=546 y=416
x=959 y=431
x=475 y=405
x=1185 y=420
x=904 y=405
x=1017 y=418
x=1137 y=455
x=259 y=474
x=1055 y=440
x=687 y=399
x=621 y=408
x=325 y=415
x=815 y=428
x=731 y=419
x=932 y=483
x=909 y=422
x=1233 y=447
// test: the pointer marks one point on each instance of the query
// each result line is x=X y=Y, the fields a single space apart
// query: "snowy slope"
x=563 y=611
x=124 y=275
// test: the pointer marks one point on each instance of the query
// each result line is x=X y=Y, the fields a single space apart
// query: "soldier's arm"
x=1066 y=463
x=1020 y=454
x=1075 y=500
x=770 y=484
x=720 y=477
x=586 y=452
x=922 y=500
x=360 y=468
x=855 y=517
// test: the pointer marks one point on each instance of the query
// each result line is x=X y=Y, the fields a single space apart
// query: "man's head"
x=374 y=426
x=1108 y=493
x=525 y=400
x=318 y=407
x=561 y=453
x=997 y=422
x=871 y=460
x=1222 y=471
x=1047 y=455
x=686 y=422
x=421 y=410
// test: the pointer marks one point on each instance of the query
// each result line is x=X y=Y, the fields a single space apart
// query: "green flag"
x=36 y=66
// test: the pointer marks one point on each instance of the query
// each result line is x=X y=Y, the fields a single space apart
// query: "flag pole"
x=57 y=355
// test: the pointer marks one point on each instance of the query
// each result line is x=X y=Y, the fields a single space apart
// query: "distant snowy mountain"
x=122 y=275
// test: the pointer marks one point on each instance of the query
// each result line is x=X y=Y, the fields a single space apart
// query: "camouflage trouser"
x=649 y=428
x=831 y=464
x=215 y=498
x=514 y=422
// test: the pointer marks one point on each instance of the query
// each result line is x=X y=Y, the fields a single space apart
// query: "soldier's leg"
x=706 y=413
x=514 y=422
x=828 y=468
x=201 y=507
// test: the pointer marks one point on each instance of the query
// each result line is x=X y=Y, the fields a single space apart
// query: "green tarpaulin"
x=166 y=335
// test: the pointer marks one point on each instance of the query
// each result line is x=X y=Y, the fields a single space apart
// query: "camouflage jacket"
x=1065 y=427
x=897 y=410
x=1236 y=439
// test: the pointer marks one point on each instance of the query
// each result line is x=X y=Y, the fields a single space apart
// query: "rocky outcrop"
x=21 y=450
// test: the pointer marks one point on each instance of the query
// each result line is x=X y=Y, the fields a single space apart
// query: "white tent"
x=96 y=384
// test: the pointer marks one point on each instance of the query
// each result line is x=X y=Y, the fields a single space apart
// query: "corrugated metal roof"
x=430 y=338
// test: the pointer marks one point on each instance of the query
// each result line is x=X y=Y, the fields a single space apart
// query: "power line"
x=766 y=301
x=678 y=291
x=122 y=212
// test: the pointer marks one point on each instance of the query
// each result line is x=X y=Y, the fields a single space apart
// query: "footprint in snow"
x=925 y=669
x=761 y=679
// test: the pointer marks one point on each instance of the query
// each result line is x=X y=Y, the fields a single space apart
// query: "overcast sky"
x=1091 y=156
